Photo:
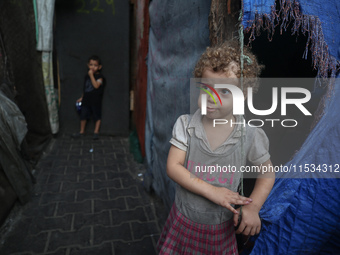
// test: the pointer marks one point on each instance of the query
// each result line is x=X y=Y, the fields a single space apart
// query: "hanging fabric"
x=44 y=22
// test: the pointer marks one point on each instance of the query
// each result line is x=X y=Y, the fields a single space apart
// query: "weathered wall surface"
x=179 y=33
x=85 y=28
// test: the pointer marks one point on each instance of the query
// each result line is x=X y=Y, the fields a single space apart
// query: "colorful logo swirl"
x=207 y=91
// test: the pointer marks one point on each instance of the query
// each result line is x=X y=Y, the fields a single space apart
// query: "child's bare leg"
x=97 y=126
x=82 y=126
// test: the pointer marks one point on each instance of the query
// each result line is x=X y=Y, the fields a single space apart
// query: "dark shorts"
x=91 y=110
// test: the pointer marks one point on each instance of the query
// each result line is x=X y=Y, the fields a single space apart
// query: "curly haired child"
x=203 y=217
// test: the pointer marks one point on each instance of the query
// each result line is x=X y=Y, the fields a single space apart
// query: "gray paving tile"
x=144 y=246
x=78 y=169
x=101 y=194
x=118 y=203
x=73 y=186
x=34 y=210
x=61 y=251
x=87 y=161
x=79 y=237
x=71 y=162
x=149 y=212
x=49 y=197
x=119 y=216
x=101 y=176
x=133 y=202
x=54 y=187
x=142 y=229
x=106 y=168
x=122 y=175
x=24 y=243
x=74 y=207
x=101 y=218
x=63 y=152
x=44 y=224
x=74 y=157
x=59 y=177
x=104 y=249
x=115 y=183
x=103 y=234
x=131 y=191
x=89 y=151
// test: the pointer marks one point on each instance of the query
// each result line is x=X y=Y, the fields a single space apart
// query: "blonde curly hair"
x=222 y=57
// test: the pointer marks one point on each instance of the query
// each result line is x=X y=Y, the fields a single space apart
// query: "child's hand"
x=90 y=72
x=225 y=197
x=79 y=100
x=250 y=221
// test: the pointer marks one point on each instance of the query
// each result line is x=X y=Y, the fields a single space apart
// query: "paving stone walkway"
x=88 y=200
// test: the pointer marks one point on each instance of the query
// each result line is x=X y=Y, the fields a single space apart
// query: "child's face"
x=218 y=111
x=94 y=66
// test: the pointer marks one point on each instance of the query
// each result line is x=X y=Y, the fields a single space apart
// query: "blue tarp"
x=319 y=19
x=301 y=216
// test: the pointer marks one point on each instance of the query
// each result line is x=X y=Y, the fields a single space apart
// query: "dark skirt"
x=180 y=235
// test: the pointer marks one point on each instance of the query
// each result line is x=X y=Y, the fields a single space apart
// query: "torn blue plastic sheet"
x=301 y=216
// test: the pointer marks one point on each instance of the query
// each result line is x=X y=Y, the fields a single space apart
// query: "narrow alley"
x=88 y=199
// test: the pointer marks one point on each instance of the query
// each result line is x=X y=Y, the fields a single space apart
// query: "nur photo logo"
x=293 y=97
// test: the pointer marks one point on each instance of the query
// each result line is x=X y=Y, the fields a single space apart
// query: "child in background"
x=203 y=218
x=92 y=97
